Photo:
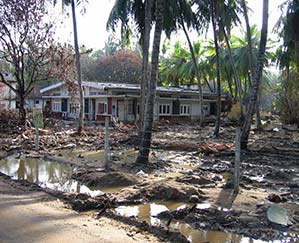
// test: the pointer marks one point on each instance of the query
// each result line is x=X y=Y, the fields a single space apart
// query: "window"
x=37 y=102
x=56 y=106
x=74 y=108
x=164 y=109
x=130 y=107
x=185 y=109
x=102 y=108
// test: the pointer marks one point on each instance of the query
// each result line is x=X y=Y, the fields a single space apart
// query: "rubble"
x=10 y=121
x=186 y=165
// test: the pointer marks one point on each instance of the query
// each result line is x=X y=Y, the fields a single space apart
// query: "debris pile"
x=213 y=147
x=59 y=137
x=9 y=121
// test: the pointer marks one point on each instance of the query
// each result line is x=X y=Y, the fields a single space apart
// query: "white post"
x=106 y=145
x=37 y=116
x=237 y=161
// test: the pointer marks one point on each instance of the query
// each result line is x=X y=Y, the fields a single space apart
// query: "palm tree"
x=214 y=17
x=150 y=99
x=78 y=63
x=141 y=13
x=233 y=67
x=257 y=77
x=145 y=51
x=200 y=98
x=172 y=68
x=250 y=58
x=288 y=60
x=286 y=27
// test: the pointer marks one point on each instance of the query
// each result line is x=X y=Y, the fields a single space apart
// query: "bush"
x=289 y=98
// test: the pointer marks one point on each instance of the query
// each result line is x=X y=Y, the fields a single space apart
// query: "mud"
x=253 y=224
x=169 y=190
x=188 y=165
x=103 y=180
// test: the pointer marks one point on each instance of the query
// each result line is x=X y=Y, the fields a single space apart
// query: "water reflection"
x=148 y=212
x=47 y=174
x=197 y=236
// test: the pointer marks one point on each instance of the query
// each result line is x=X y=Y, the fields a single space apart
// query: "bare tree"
x=26 y=43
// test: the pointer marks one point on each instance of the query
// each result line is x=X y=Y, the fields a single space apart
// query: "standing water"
x=148 y=212
x=46 y=174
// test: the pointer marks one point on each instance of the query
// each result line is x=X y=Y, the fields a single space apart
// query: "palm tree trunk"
x=250 y=59
x=218 y=109
x=200 y=98
x=258 y=122
x=145 y=50
x=145 y=144
x=236 y=76
x=78 y=65
x=249 y=39
x=257 y=77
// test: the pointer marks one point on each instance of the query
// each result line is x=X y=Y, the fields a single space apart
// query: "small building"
x=34 y=99
x=7 y=96
x=122 y=101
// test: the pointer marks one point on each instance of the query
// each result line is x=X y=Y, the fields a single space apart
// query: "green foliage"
x=178 y=68
x=287 y=29
x=289 y=102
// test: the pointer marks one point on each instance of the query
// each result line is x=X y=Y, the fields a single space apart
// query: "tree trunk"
x=78 y=65
x=258 y=122
x=250 y=59
x=145 y=50
x=249 y=40
x=22 y=109
x=257 y=77
x=218 y=109
x=145 y=144
x=200 y=98
x=236 y=76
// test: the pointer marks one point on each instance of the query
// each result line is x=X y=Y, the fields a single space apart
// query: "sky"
x=92 y=25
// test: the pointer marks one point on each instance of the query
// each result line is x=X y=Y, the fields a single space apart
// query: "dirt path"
x=28 y=216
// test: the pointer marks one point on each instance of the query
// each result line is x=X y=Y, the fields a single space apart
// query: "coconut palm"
x=174 y=13
x=222 y=14
x=78 y=63
x=286 y=27
x=140 y=12
x=257 y=77
x=214 y=16
x=179 y=69
x=150 y=99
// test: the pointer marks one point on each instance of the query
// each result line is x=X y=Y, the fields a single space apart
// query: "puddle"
x=46 y=174
x=200 y=236
x=148 y=212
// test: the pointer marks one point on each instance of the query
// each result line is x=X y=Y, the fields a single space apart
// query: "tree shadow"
x=226 y=198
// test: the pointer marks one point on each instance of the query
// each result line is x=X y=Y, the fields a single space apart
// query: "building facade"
x=122 y=102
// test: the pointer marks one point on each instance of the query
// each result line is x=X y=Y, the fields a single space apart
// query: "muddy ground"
x=187 y=165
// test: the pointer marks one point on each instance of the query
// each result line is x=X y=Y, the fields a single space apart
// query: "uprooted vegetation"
x=188 y=166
